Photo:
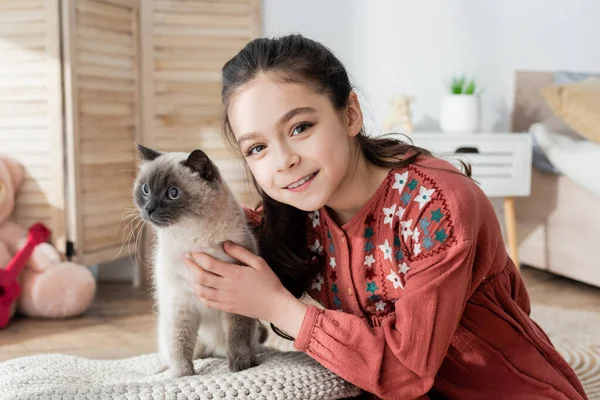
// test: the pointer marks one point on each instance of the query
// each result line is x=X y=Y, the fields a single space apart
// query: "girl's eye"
x=256 y=149
x=301 y=128
x=173 y=193
x=145 y=189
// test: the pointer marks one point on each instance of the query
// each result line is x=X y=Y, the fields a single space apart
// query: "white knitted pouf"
x=280 y=375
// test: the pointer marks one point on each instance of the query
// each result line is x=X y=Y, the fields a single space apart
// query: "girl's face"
x=297 y=146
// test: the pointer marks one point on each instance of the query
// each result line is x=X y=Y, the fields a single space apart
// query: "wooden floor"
x=121 y=322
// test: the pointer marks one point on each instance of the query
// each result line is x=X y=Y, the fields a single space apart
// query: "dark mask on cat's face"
x=171 y=186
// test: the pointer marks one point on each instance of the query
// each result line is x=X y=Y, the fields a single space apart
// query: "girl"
x=404 y=252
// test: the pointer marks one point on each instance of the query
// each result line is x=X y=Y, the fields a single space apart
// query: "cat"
x=191 y=208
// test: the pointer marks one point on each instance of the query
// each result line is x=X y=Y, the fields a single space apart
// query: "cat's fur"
x=204 y=215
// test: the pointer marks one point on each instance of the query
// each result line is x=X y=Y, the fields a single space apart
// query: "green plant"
x=460 y=85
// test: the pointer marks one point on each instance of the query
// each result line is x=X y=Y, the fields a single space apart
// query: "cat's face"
x=172 y=186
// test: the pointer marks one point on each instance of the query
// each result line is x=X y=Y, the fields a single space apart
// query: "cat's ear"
x=199 y=162
x=147 y=153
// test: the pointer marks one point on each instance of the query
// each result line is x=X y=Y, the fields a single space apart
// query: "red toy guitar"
x=9 y=286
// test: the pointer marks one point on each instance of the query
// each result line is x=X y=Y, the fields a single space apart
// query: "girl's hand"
x=252 y=289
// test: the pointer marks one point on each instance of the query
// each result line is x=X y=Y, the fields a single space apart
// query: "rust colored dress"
x=422 y=299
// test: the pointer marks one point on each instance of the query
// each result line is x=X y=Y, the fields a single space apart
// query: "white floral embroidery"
x=318 y=282
x=316 y=218
x=317 y=248
x=380 y=305
x=403 y=268
x=389 y=215
x=416 y=234
x=400 y=181
x=424 y=196
x=332 y=262
x=387 y=250
x=369 y=260
x=406 y=231
x=400 y=212
x=417 y=249
x=395 y=279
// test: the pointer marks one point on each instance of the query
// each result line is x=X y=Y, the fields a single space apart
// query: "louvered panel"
x=185 y=44
x=103 y=102
x=31 y=109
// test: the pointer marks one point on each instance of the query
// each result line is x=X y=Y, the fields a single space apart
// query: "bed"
x=559 y=224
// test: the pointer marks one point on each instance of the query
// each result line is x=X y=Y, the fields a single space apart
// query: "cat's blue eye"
x=145 y=189
x=300 y=128
x=173 y=193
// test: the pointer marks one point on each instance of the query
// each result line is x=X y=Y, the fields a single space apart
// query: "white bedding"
x=579 y=160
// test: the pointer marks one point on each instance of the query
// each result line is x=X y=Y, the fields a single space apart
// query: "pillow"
x=578 y=160
x=578 y=104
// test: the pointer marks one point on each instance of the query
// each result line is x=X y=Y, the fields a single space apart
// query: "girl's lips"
x=302 y=184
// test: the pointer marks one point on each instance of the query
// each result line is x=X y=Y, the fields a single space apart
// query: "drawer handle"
x=467 y=150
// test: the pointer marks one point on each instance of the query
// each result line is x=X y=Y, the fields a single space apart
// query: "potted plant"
x=461 y=109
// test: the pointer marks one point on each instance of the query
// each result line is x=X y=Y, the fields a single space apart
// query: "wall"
x=391 y=46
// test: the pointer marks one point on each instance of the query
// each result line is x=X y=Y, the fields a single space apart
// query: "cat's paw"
x=160 y=369
x=181 y=371
x=241 y=362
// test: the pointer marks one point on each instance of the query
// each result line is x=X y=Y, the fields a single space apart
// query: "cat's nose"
x=150 y=209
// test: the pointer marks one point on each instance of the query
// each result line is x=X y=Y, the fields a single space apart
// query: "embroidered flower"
x=316 y=218
x=368 y=247
x=337 y=301
x=370 y=273
x=417 y=249
x=372 y=287
x=424 y=196
x=427 y=243
x=387 y=250
x=380 y=305
x=395 y=279
x=374 y=298
x=369 y=260
x=369 y=233
x=400 y=212
x=332 y=262
x=441 y=235
x=389 y=215
x=316 y=248
x=424 y=224
x=399 y=255
x=403 y=268
x=405 y=198
x=406 y=231
x=317 y=282
x=369 y=220
x=400 y=181
x=412 y=185
x=331 y=248
x=333 y=276
x=437 y=215
x=416 y=234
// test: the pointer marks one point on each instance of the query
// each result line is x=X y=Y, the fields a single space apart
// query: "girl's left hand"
x=251 y=289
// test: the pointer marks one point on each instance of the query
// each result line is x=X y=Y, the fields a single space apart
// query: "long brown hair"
x=294 y=58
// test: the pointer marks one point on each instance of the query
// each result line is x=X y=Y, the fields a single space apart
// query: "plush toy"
x=400 y=115
x=50 y=288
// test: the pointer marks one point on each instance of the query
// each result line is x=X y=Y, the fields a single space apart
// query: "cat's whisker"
x=135 y=217
x=136 y=250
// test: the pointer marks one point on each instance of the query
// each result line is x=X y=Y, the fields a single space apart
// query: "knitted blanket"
x=280 y=375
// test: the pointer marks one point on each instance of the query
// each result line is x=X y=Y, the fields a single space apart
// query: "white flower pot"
x=460 y=113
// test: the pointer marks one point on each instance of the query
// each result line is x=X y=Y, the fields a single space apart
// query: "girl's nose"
x=287 y=159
